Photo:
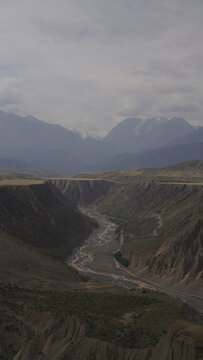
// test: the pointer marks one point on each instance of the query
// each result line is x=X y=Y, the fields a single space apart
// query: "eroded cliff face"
x=35 y=335
x=172 y=246
x=43 y=336
x=83 y=192
x=77 y=325
x=178 y=250
x=38 y=336
x=93 y=349
x=176 y=346
x=180 y=258
x=41 y=216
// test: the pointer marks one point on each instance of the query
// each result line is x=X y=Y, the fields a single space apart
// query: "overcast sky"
x=88 y=64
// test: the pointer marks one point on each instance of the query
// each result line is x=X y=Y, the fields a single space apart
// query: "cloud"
x=179 y=108
x=176 y=89
x=10 y=93
x=107 y=21
x=89 y=64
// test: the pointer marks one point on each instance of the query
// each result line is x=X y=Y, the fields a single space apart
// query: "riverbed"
x=95 y=258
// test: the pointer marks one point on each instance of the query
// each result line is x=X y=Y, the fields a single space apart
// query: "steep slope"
x=101 y=322
x=176 y=250
x=194 y=137
x=160 y=213
x=28 y=266
x=181 y=259
x=101 y=326
x=19 y=134
x=41 y=216
x=83 y=192
x=179 y=343
x=134 y=134
x=37 y=221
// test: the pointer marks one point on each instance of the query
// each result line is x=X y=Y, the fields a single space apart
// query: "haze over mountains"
x=134 y=143
x=134 y=134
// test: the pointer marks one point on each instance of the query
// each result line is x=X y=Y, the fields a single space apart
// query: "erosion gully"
x=95 y=258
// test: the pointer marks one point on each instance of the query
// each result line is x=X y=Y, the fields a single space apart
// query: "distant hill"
x=154 y=158
x=186 y=165
x=134 y=134
x=11 y=163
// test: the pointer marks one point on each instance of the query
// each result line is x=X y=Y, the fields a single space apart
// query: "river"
x=95 y=258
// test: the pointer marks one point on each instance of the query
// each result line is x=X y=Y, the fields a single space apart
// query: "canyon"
x=108 y=307
x=172 y=252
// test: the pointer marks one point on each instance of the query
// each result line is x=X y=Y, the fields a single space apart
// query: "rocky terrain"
x=40 y=325
x=49 y=311
x=83 y=192
x=171 y=250
x=176 y=251
x=39 y=227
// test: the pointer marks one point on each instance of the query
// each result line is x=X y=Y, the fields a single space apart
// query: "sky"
x=89 y=64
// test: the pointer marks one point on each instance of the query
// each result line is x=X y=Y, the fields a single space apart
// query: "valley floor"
x=95 y=258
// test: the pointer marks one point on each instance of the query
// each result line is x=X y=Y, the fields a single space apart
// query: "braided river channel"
x=95 y=258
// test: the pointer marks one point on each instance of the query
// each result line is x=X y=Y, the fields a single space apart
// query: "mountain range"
x=133 y=143
x=134 y=134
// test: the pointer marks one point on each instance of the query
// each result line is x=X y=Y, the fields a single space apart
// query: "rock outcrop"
x=177 y=344
x=182 y=258
x=179 y=259
x=83 y=192
x=175 y=250
x=39 y=336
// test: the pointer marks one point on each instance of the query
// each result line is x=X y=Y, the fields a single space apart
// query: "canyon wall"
x=83 y=192
x=175 y=249
x=42 y=217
